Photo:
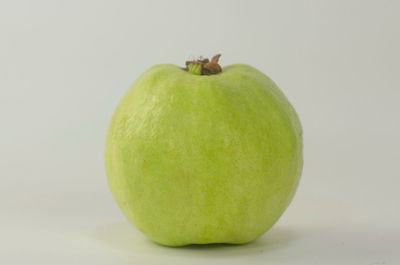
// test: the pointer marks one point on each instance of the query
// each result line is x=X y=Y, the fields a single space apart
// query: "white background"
x=64 y=65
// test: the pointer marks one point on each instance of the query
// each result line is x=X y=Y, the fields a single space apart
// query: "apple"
x=204 y=154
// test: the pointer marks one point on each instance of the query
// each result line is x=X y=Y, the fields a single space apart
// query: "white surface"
x=64 y=65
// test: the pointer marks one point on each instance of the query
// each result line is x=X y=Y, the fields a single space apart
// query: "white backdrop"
x=64 y=65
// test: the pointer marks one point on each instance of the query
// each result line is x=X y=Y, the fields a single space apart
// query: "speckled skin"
x=204 y=159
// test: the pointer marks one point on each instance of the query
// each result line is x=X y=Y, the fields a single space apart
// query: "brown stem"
x=204 y=66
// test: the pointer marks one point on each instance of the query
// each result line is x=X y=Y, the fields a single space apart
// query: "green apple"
x=204 y=154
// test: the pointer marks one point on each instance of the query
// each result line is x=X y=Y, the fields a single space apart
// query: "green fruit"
x=199 y=156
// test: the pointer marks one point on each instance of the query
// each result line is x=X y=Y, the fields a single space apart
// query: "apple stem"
x=204 y=66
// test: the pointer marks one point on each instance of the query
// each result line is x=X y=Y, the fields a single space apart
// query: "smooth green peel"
x=200 y=159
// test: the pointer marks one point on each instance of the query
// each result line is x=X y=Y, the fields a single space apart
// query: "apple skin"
x=200 y=159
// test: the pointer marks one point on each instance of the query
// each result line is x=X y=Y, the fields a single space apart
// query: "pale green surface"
x=204 y=159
